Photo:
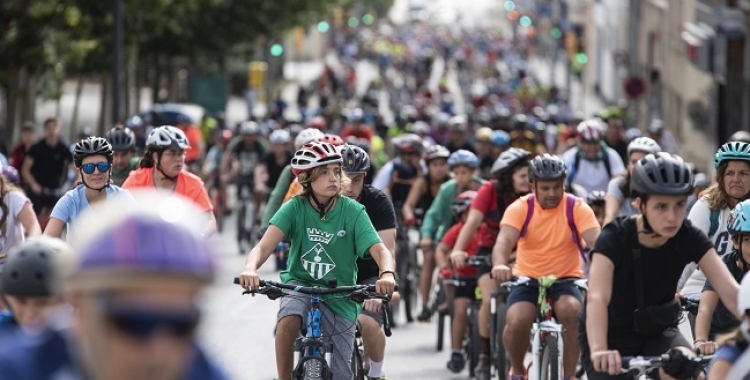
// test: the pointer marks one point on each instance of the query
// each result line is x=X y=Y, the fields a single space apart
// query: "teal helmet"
x=739 y=219
x=732 y=151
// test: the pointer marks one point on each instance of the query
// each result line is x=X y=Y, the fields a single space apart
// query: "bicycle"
x=314 y=354
x=639 y=366
x=219 y=199
x=408 y=271
x=546 y=332
x=358 y=355
x=245 y=217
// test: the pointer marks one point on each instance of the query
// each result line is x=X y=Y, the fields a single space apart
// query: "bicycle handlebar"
x=581 y=283
x=642 y=364
x=689 y=305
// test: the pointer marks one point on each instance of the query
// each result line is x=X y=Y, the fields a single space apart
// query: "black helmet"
x=661 y=174
x=547 y=167
x=91 y=146
x=29 y=269
x=121 y=138
x=462 y=203
x=355 y=158
x=596 y=198
x=508 y=160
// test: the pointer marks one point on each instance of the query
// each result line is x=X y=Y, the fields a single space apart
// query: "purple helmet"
x=10 y=173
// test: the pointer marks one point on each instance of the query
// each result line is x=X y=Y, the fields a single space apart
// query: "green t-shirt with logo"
x=118 y=177
x=325 y=249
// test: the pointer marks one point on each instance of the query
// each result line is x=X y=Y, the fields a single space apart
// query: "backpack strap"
x=605 y=158
x=529 y=214
x=570 y=202
x=714 y=222
x=574 y=167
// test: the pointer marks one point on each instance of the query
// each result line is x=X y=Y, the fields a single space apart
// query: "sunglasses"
x=142 y=324
x=103 y=167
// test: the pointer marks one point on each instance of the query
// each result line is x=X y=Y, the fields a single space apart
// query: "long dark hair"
x=147 y=161
x=504 y=184
x=5 y=188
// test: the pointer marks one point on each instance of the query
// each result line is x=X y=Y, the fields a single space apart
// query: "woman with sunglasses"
x=92 y=157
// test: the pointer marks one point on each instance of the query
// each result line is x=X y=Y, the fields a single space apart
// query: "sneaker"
x=425 y=315
x=456 y=364
x=482 y=370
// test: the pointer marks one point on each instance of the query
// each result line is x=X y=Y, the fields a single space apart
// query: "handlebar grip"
x=237 y=282
x=386 y=311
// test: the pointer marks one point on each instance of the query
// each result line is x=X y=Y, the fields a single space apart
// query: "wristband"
x=395 y=276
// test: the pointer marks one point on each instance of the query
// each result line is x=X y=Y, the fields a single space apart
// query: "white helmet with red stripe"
x=590 y=130
x=314 y=154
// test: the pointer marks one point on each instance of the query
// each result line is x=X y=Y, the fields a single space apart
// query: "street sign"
x=729 y=21
x=635 y=87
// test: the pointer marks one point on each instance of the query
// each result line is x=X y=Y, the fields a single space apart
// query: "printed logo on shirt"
x=317 y=262
x=721 y=243
x=319 y=236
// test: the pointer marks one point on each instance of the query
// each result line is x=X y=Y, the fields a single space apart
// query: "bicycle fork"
x=314 y=355
x=540 y=364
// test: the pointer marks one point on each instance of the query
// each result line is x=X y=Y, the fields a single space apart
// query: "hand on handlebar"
x=250 y=280
x=607 y=361
x=458 y=259
x=705 y=348
x=386 y=284
x=373 y=305
x=502 y=273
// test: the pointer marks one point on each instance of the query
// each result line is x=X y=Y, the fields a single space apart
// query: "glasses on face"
x=142 y=323
x=89 y=168
x=175 y=153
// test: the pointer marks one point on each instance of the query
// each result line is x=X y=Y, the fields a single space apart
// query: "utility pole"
x=116 y=59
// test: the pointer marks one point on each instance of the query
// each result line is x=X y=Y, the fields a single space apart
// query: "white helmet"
x=279 y=136
x=590 y=130
x=305 y=136
x=644 y=144
x=167 y=137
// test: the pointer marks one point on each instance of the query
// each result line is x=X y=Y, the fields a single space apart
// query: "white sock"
x=376 y=369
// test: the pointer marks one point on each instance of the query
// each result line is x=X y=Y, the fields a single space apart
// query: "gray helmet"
x=643 y=144
x=121 y=138
x=355 y=158
x=91 y=146
x=662 y=174
x=547 y=167
x=167 y=137
x=508 y=160
x=29 y=269
x=743 y=136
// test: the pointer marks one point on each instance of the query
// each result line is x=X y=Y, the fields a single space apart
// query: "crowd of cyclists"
x=518 y=179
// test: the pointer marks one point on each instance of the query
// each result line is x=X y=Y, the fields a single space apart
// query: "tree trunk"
x=76 y=102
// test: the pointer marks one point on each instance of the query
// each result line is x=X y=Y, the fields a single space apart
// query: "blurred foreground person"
x=134 y=281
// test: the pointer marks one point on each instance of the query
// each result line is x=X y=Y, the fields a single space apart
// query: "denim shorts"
x=530 y=294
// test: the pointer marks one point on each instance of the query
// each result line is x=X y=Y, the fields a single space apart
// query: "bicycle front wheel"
x=315 y=369
x=357 y=365
x=549 y=365
x=475 y=341
x=502 y=364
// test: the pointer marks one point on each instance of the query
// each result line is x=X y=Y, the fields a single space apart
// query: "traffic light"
x=323 y=27
x=525 y=21
x=509 y=5
x=277 y=50
x=367 y=19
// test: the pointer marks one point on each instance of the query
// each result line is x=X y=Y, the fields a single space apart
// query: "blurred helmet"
x=643 y=144
x=463 y=157
x=134 y=122
x=519 y=121
x=30 y=267
x=632 y=134
x=226 y=136
x=656 y=126
x=739 y=219
x=483 y=134
x=662 y=174
x=458 y=123
x=92 y=146
x=500 y=138
x=462 y=203
x=318 y=122
x=547 y=167
x=590 y=130
x=743 y=136
x=121 y=138
x=279 y=136
x=508 y=160
x=732 y=151
x=355 y=159
x=167 y=137
x=408 y=143
x=249 y=128
x=305 y=136
x=10 y=173
x=435 y=151
x=596 y=198
x=420 y=126
x=331 y=139
x=314 y=154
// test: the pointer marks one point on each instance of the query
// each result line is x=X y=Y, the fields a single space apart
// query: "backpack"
x=577 y=160
x=714 y=222
x=570 y=201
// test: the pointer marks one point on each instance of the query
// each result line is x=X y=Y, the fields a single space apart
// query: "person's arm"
x=28 y=219
x=265 y=248
x=386 y=283
x=54 y=227
x=709 y=300
x=28 y=163
x=388 y=236
x=441 y=255
x=611 y=208
x=416 y=191
x=721 y=280
x=506 y=240
x=473 y=221
x=277 y=195
x=589 y=236
x=210 y=227
x=598 y=297
x=719 y=370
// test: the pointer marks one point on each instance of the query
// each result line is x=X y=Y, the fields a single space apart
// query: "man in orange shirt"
x=194 y=153
x=548 y=244
x=161 y=168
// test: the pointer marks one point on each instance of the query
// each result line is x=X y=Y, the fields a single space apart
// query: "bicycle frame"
x=311 y=346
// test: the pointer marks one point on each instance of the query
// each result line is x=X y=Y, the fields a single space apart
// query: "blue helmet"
x=500 y=138
x=463 y=157
x=739 y=219
x=732 y=151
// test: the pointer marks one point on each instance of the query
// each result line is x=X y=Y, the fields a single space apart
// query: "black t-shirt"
x=248 y=159
x=380 y=210
x=403 y=171
x=50 y=163
x=662 y=266
x=274 y=169
x=723 y=320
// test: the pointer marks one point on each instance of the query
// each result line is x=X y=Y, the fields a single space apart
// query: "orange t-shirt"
x=548 y=247
x=195 y=138
x=294 y=189
x=189 y=186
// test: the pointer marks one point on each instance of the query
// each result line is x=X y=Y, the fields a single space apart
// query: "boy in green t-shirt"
x=328 y=232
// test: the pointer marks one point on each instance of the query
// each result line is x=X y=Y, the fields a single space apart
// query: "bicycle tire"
x=403 y=267
x=314 y=369
x=475 y=341
x=549 y=368
x=502 y=364
x=357 y=366
x=441 y=330
x=218 y=211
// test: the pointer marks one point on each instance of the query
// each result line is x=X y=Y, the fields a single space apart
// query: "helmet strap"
x=321 y=207
x=647 y=226
x=158 y=167
x=109 y=178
